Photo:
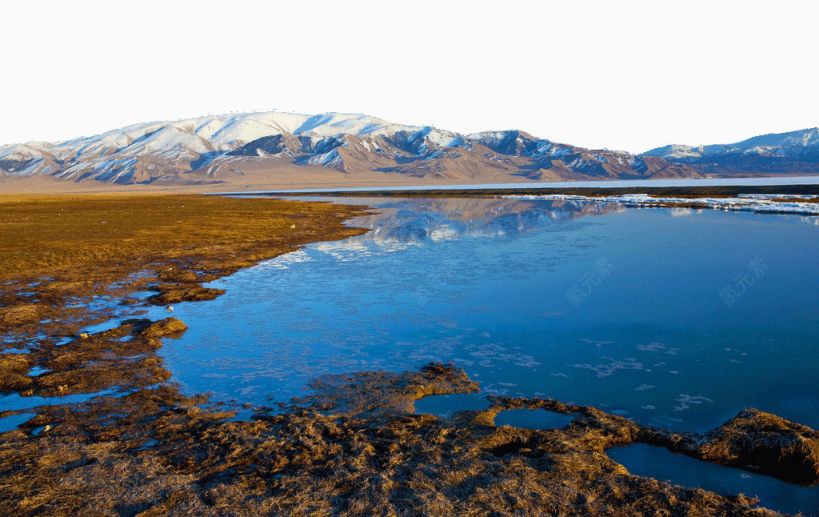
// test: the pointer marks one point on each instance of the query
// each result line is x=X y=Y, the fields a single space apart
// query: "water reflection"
x=439 y=219
x=490 y=284
x=417 y=221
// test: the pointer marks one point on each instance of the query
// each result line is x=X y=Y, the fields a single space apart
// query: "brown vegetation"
x=58 y=249
x=154 y=452
x=354 y=446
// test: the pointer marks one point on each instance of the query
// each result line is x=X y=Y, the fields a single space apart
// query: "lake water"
x=674 y=318
x=660 y=463
x=676 y=182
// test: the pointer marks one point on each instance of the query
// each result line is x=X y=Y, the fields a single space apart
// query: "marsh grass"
x=354 y=447
x=96 y=237
x=54 y=249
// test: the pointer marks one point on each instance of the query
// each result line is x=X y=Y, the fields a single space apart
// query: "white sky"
x=626 y=75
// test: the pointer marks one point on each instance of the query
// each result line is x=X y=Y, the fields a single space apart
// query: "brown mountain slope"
x=270 y=150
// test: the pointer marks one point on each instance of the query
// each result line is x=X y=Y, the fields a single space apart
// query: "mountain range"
x=793 y=152
x=335 y=147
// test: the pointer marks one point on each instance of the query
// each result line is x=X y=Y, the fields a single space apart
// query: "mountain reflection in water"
x=626 y=310
x=426 y=220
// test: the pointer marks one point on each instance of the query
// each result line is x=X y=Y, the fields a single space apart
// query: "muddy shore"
x=355 y=446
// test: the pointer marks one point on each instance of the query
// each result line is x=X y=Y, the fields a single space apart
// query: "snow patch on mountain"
x=774 y=144
x=148 y=151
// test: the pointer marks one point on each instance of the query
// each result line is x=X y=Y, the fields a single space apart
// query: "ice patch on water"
x=685 y=400
x=653 y=347
x=607 y=369
x=745 y=203
x=285 y=261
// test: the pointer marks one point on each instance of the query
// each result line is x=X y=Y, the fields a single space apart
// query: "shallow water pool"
x=660 y=463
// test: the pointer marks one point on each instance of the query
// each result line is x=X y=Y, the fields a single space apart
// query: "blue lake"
x=672 y=317
x=676 y=182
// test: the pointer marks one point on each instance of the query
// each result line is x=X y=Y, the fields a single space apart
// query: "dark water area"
x=533 y=419
x=448 y=405
x=672 y=317
x=659 y=463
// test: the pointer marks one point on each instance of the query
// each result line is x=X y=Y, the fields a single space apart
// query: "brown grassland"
x=94 y=244
x=354 y=446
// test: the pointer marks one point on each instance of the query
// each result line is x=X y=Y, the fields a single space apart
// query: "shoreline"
x=288 y=180
x=70 y=262
x=694 y=191
x=356 y=446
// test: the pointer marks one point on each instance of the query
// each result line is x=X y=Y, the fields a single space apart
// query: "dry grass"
x=152 y=452
x=89 y=245
x=95 y=236
x=354 y=447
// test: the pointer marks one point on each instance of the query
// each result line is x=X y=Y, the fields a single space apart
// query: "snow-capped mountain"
x=208 y=148
x=796 y=151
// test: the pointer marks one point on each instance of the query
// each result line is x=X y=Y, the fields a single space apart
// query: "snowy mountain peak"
x=794 y=151
x=793 y=141
x=196 y=148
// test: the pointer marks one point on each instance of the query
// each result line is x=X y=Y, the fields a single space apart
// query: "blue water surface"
x=672 y=317
x=646 y=460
